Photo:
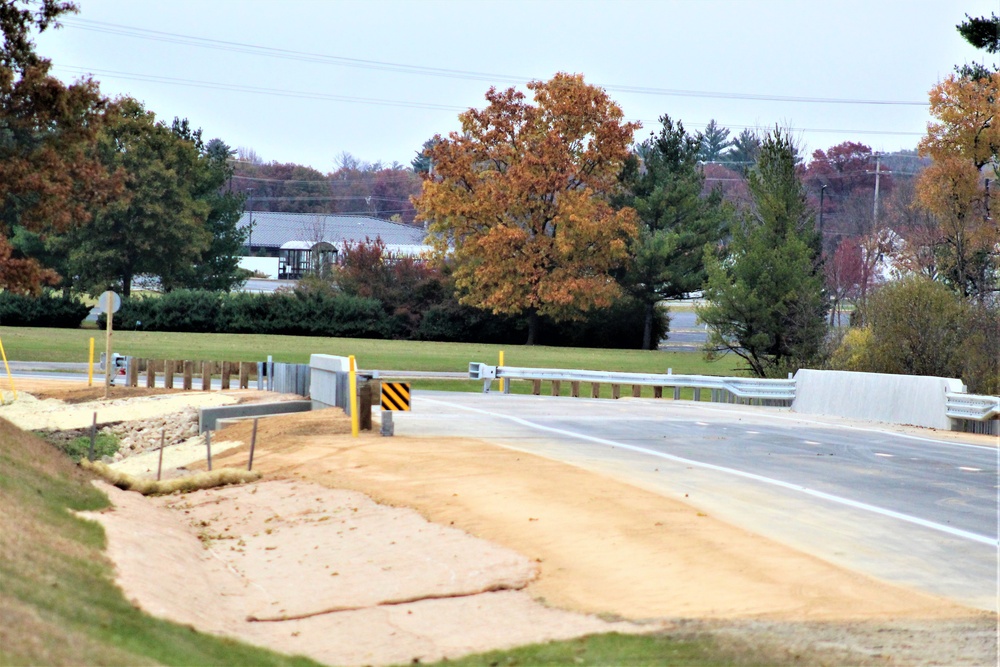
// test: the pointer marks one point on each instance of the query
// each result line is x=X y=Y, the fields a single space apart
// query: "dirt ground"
x=469 y=546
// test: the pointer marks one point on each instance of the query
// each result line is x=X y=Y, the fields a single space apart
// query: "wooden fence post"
x=133 y=373
x=188 y=374
x=168 y=373
x=244 y=374
x=365 y=407
x=227 y=369
x=150 y=373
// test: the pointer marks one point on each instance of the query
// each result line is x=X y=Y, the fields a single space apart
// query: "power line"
x=303 y=56
x=395 y=103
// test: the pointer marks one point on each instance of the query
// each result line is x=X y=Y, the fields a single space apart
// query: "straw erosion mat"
x=378 y=550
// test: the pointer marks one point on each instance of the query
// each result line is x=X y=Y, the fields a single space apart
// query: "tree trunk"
x=126 y=286
x=532 y=327
x=647 y=329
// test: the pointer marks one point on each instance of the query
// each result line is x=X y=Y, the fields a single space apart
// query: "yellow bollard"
x=503 y=382
x=354 y=397
x=7 y=367
x=90 y=366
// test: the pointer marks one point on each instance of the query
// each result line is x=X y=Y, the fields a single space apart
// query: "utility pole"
x=878 y=173
x=822 y=191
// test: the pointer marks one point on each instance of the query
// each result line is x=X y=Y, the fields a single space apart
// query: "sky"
x=304 y=81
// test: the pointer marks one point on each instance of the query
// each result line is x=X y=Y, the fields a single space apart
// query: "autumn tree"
x=48 y=174
x=963 y=142
x=676 y=221
x=765 y=300
x=518 y=201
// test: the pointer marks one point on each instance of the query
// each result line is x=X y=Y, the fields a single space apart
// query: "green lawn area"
x=36 y=344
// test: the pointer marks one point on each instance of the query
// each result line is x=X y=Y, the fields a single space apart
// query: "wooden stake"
x=93 y=437
x=253 y=444
x=163 y=439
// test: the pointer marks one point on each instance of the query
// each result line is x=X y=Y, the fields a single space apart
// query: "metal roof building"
x=270 y=231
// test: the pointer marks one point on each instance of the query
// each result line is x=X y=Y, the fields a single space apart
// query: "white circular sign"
x=116 y=302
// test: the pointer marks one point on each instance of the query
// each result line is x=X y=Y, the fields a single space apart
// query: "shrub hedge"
x=315 y=313
x=48 y=309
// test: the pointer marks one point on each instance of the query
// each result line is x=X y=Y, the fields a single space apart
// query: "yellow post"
x=503 y=382
x=90 y=365
x=354 y=397
x=7 y=367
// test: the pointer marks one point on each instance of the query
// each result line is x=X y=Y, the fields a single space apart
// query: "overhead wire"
x=303 y=56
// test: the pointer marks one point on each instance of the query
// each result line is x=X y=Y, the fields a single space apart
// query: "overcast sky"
x=304 y=80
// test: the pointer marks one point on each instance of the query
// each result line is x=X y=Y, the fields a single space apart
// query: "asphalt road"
x=906 y=508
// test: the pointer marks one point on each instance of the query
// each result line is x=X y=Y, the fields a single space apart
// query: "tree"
x=48 y=175
x=743 y=152
x=518 y=201
x=765 y=300
x=964 y=139
x=713 y=142
x=676 y=222
x=983 y=33
x=171 y=218
x=422 y=163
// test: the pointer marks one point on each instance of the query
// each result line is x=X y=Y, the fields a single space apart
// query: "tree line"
x=542 y=209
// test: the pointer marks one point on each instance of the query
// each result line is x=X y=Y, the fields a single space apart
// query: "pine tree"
x=766 y=301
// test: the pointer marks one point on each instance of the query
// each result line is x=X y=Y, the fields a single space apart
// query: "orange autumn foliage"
x=517 y=201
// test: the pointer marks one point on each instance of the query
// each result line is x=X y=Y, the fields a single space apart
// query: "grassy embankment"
x=59 y=604
x=58 y=601
x=35 y=344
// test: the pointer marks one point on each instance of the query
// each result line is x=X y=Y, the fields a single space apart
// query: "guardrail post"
x=168 y=373
x=697 y=394
x=245 y=375
x=188 y=373
x=556 y=386
x=616 y=391
x=595 y=389
x=150 y=372
x=677 y=393
x=657 y=392
x=206 y=374
x=536 y=387
x=636 y=391
x=132 y=379
x=227 y=369
x=574 y=389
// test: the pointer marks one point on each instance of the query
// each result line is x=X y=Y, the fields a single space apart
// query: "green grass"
x=105 y=444
x=36 y=344
x=58 y=601
x=616 y=650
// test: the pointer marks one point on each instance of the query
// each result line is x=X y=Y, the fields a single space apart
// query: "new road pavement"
x=914 y=508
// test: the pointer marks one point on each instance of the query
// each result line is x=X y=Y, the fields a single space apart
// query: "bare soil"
x=555 y=549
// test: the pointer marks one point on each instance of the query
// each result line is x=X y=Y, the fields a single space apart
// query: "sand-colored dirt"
x=592 y=545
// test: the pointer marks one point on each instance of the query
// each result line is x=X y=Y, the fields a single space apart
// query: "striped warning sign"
x=396 y=396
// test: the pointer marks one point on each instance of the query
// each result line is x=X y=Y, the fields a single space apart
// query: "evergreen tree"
x=984 y=34
x=714 y=141
x=743 y=152
x=766 y=301
x=676 y=221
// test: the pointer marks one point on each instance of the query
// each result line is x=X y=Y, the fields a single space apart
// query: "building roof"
x=274 y=230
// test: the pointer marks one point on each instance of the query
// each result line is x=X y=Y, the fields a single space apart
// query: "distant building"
x=308 y=242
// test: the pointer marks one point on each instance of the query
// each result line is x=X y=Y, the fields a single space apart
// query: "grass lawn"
x=36 y=344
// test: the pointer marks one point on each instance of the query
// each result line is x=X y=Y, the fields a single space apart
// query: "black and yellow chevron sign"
x=396 y=396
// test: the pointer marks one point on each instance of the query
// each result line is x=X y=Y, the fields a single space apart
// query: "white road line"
x=884 y=455
x=956 y=532
x=968 y=469
x=811 y=442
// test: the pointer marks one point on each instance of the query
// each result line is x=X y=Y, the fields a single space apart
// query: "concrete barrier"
x=328 y=380
x=209 y=417
x=893 y=399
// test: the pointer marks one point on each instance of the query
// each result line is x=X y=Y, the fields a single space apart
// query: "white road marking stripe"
x=888 y=456
x=956 y=532
x=811 y=442
x=968 y=469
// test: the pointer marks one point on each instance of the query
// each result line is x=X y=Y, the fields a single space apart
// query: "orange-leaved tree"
x=964 y=139
x=517 y=201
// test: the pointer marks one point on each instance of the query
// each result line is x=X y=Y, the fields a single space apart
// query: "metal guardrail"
x=742 y=388
x=972 y=406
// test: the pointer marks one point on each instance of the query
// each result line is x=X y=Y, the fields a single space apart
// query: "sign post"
x=109 y=302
